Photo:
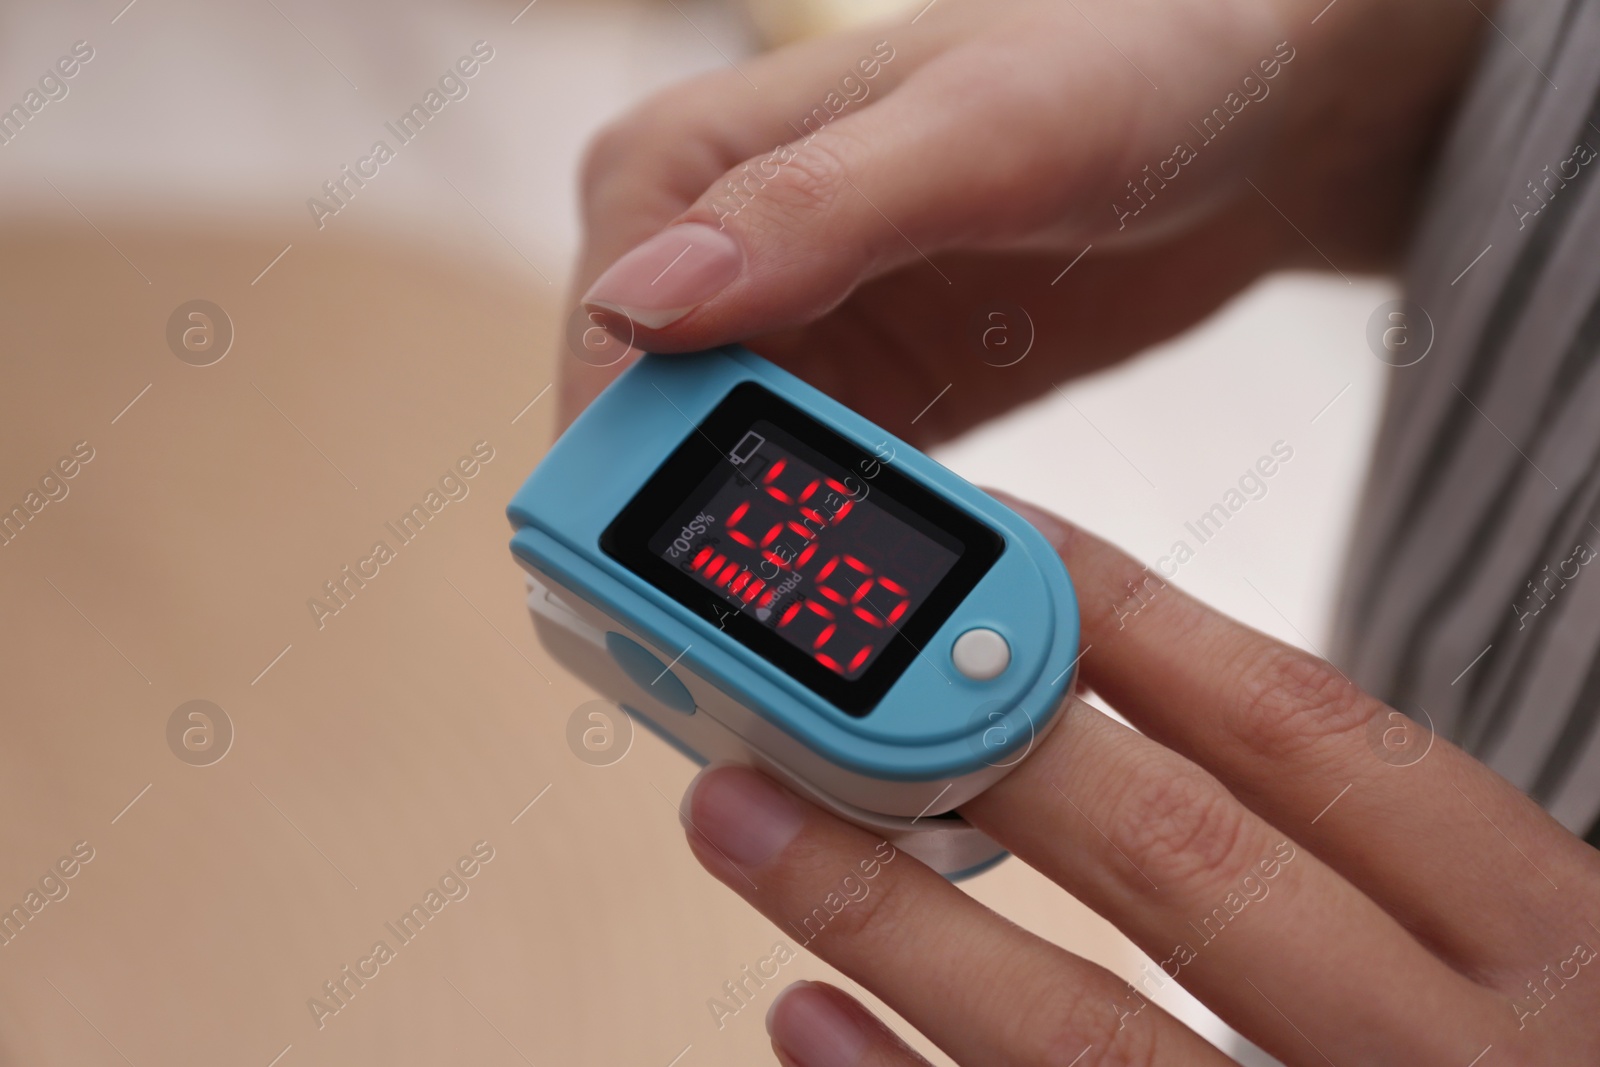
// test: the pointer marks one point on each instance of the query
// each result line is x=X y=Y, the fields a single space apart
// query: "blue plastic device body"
x=934 y=723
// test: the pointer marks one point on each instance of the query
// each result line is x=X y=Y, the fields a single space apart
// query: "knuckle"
x=1092 y=1030
x=1132 y=1045
x=1290 y=701
x=838 y=913
x=807 y=184
x=1179 y=826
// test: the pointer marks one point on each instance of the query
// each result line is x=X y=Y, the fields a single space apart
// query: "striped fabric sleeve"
x=1472 y=593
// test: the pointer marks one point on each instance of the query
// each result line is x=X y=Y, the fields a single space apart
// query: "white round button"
x=981 y=654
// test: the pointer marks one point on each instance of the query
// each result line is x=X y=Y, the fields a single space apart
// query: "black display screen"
x=805 y=550
x=813 y=552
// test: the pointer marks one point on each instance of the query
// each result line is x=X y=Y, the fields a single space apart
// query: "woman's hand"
x=861 y=215
x=1334 y=882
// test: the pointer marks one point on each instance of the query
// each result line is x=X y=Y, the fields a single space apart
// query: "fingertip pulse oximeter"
x=760 y=575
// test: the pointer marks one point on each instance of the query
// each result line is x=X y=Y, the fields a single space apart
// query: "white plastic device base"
x=574 y=632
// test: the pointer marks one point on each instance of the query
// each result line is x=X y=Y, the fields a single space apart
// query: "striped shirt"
x=1472 y=599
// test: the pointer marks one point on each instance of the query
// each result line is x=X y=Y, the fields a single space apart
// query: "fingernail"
x=1055 y=531
x=668 y=276
x=748 y=818
x=814 y=1029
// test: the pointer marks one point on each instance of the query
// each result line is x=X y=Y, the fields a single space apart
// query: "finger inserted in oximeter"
x=761 y=575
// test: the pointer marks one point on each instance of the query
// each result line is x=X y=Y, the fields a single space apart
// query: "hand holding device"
x=764 y=576
x=1309 y=863
x=981 y=150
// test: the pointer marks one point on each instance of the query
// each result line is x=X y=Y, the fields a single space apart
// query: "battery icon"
x=748 y=446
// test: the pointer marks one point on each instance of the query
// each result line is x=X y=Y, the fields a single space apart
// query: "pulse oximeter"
x=760 y=575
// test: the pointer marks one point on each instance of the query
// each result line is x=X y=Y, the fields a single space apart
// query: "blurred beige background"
x=367 y=357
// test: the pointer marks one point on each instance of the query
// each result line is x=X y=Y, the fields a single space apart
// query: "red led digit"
x=899 y=610
x=772 y=476
x=844 y=509
x=854 y=564
x=828 y=633
x=827 y=591
x=740 y=536
x=827 y=603
x=861 y=593
x=861 y=656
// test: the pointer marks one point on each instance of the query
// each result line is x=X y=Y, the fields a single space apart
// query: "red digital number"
x=825 y=636
x=862 y=581
x=847 y=599
x=855 y=661
x=739 y=536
